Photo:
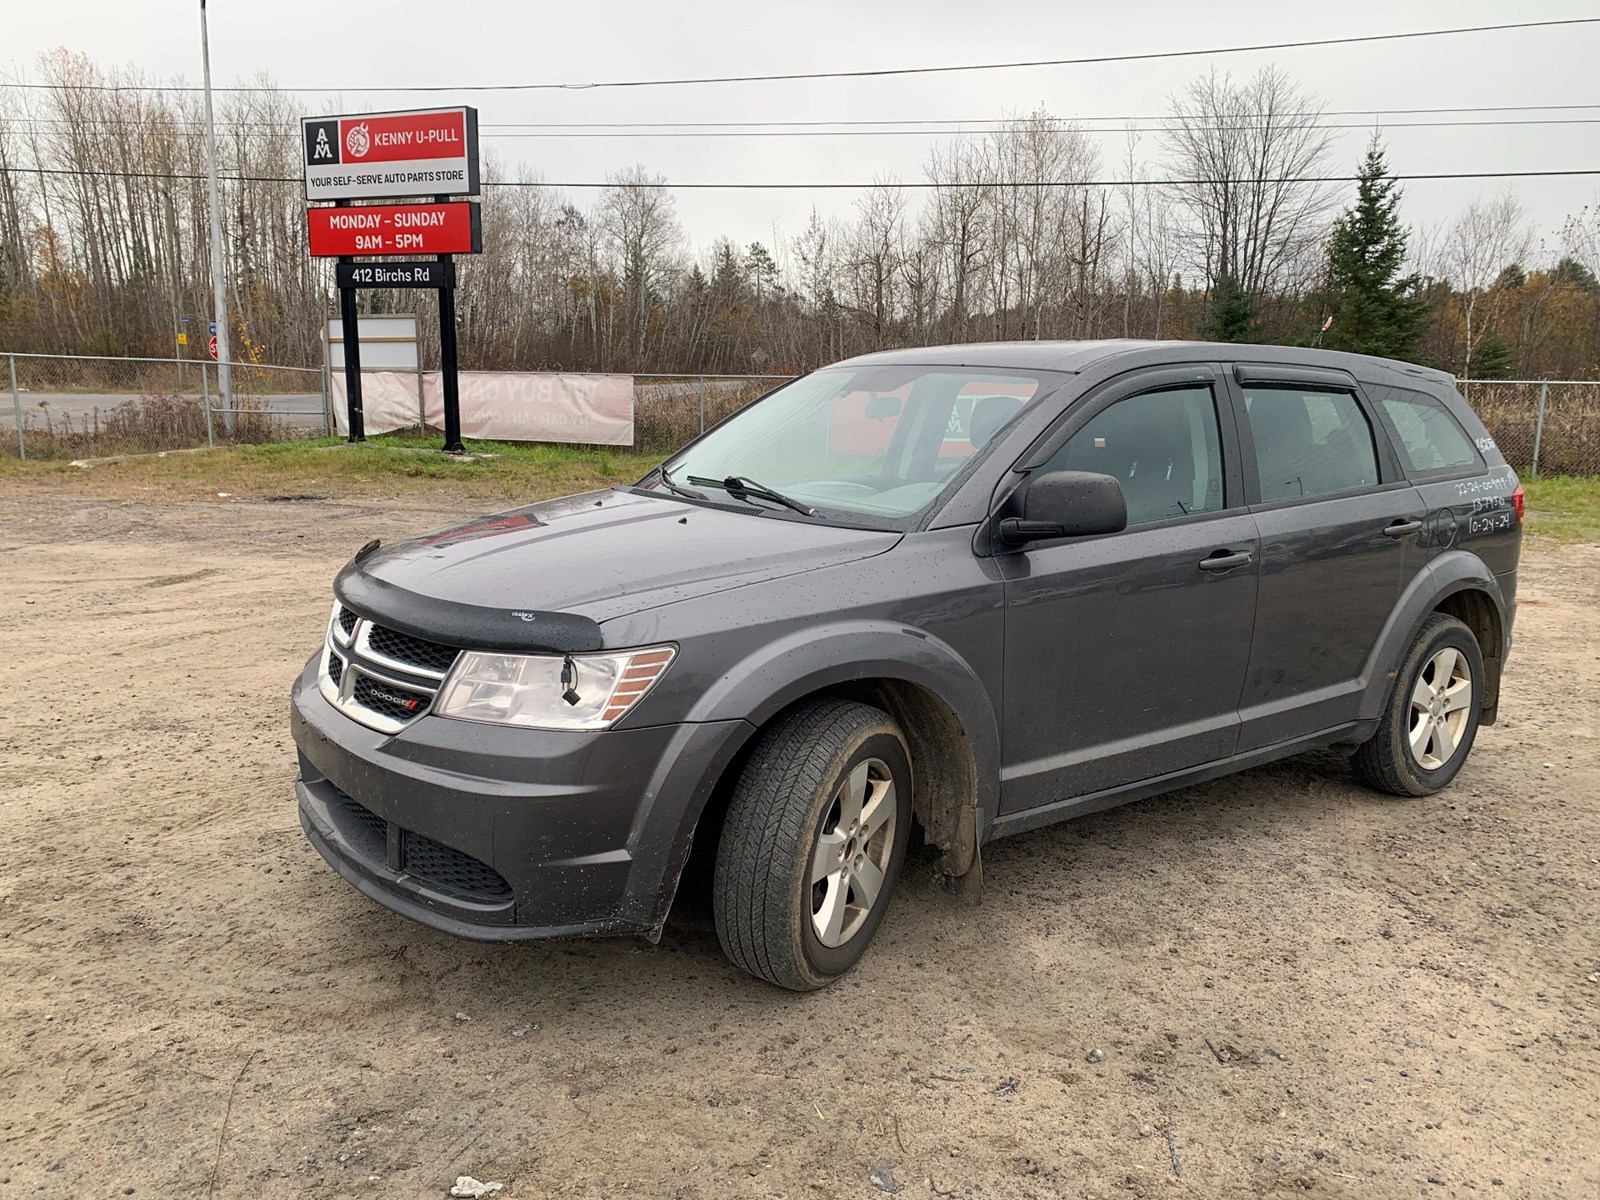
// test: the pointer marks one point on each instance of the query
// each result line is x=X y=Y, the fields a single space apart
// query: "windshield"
x=880 y=441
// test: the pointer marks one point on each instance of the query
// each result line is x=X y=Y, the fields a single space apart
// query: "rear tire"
x=1428 y=726
x=812 y=844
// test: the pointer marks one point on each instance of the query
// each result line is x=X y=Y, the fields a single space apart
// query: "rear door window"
x=1430 y=437
x=1309 y=443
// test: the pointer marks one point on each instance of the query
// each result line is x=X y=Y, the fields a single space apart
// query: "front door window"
x=1161 y=446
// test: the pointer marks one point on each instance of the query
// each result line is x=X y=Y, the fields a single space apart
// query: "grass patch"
x=383 y=466
x=1564 y=508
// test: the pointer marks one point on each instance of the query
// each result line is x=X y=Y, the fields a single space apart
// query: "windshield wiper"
x=739 y=487
x=675 y=489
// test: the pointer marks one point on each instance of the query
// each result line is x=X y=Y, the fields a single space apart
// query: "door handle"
x=1226 y=560
x=1400 y=526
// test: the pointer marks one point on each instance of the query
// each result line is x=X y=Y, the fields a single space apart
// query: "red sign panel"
x=451 y=228
x=403 y=137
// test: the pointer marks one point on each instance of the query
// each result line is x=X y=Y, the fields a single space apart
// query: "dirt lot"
x=1277 y=984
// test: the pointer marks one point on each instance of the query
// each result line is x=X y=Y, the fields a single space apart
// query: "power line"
x=874 y=73
x=1047 y=183
x=989 y=130
x=1015 y=131
x=934 y=124
x=1048 y=119
x=917 y=184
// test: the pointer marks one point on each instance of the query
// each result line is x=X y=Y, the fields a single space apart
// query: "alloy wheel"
x=852 y=853
x=1439 y=708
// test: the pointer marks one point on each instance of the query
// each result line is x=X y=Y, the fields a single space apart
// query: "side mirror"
x=1067 y=504
x=880 y=407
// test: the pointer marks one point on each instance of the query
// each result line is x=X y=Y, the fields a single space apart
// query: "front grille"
x=413 y=651
x=379 y=676
x=398 y=703
x=452 y=871
x=426 y=860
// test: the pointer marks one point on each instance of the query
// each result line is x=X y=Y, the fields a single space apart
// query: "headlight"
x=577 y=691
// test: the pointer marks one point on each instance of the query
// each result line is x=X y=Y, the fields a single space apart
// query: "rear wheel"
x=813 y=842
x=1427 y=730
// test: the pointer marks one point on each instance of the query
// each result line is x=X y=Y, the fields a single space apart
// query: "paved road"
x=301 y=410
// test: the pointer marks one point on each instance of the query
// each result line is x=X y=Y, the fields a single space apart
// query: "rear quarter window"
x=1427 y=434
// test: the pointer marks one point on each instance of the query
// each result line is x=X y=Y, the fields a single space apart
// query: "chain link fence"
x=1542 y=426
x=85 y=407
x=672 y=410
x=82 y=407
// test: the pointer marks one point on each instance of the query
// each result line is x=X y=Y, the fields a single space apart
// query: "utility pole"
x=219 y=286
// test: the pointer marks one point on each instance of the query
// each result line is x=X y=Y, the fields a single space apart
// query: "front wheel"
x=1426 y=732
x=813 y=842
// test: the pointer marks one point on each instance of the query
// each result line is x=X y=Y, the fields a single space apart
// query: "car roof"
x=1080 y=356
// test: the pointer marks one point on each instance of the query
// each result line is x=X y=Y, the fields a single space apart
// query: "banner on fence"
x=502 y=406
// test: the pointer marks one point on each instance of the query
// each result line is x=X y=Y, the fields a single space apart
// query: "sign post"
x=350 y=322
x=447 y=365
x=395 y=156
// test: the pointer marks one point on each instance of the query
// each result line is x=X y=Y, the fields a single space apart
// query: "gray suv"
x=970 y=590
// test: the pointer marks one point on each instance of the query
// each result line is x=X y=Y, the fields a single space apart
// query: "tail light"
x=1518 y=500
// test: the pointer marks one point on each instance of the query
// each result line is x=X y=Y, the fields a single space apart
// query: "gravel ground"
x=1276 y=984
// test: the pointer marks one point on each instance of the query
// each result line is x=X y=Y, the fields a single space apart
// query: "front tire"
x=1428 y=727
x=813 y=842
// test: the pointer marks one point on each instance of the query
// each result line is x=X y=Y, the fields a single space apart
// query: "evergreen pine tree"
x=1375 y=310
x=1233 y=316
x=1492 y=359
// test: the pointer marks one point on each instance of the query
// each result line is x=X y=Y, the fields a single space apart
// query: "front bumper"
x=503 y=834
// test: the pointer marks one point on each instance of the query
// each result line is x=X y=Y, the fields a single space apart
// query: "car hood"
x=591 y=557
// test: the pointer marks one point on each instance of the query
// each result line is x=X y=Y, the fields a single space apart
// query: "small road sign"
x=211 y=345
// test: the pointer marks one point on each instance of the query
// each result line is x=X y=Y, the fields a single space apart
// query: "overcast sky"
x=332 y=44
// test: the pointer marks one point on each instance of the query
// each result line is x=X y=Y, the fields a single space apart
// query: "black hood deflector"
x=469 y=626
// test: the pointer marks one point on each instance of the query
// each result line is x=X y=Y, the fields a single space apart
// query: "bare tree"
x=873 y=262
x=817 y=251
x=1580 y=236
x=1150 y=249
x=1474 y=255
x=1246 y=160
x=639 y=222
x=16 y=202
x=957 y=228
